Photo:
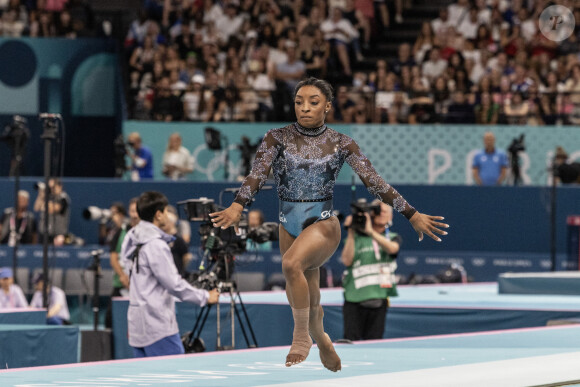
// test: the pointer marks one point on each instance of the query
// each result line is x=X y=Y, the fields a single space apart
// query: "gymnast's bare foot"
x=328 y=355
x=298 y=352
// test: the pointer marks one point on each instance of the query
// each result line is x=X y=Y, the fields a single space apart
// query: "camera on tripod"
x=359 y=208
x=220 y=245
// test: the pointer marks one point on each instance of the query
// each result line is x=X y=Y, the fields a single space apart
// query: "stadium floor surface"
x=547 y=356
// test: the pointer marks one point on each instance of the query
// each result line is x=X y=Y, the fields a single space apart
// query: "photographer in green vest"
x=369 y=254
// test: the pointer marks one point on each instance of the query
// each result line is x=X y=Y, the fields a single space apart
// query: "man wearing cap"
x=58 y=313
x=11 y=295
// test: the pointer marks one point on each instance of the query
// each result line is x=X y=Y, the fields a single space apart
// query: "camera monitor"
x=198 y=209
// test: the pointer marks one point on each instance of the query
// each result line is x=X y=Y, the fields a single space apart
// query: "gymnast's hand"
x=428 y=224
x=228 y=217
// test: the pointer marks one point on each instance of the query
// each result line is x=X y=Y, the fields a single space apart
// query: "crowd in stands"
x=46 y=19
x=482 y=62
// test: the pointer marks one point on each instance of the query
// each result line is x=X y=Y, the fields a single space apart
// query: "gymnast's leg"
x=308 y=251
x=328 y=355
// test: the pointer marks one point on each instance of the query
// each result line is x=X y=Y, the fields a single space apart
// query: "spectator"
x=516 y=110
x=166 y=105
x=142 y=158
x=404 y=58
x=399 y=110
x=229 y=23
x=194 y=101
x=58 y=313
x=177 y=160
x=425 y=41
x=487 y=111
x=341 y=35
x=489 y=165
x=19 y=227
x=359 y=21
x=58 y=211
x=287 y=75
x=342 y=107
x=440 y=24
x=11 y=295
x=435 y=66
x=460 y=111
x=468 y=27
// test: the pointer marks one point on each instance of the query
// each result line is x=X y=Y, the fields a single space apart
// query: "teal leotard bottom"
x=295 y=216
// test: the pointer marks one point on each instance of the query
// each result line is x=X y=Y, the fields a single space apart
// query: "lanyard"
x=23 y=223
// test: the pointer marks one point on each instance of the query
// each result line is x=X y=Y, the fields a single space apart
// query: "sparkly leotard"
x=305 y=164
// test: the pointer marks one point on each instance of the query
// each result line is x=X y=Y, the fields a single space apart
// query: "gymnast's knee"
x=291 y=267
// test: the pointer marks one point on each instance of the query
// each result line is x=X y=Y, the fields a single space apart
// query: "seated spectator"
x=460 y=111
x=19 y=227
x=341 y=35
x=166 y=105
x=469 y=25
x=435 y=66
x=11 y=295
x=359 y=21
x=342 y=107
x=441 y=96
x=361 y=112
x=422 y=110
x=547 y=110
x=425 y=41
x=194 y=103
x=262 y=83
x=516 y=110
x=177 y=161
x=404 y=58
x=58 y=313
x=399 y=110
x=487 y=111
x=440 y=24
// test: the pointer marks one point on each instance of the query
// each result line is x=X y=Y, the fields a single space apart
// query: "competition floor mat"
x=547 y=356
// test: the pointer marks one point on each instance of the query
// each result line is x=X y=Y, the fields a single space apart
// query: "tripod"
x=192 y=341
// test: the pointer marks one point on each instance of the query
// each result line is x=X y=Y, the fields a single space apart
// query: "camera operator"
x=368 y=254
x=58 y=210
x=141 y=158
x=255 y=220
x=565 y=172
x=154 y=282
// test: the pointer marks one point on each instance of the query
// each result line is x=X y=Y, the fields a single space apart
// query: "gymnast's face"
x=311 y=106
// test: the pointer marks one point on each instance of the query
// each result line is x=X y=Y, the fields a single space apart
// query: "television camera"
x=220 y=245
x=359 y=208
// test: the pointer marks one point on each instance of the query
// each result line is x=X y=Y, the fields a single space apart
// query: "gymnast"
x=306 y=157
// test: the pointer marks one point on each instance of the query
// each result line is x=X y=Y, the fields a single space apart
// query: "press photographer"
x=58 y=210
x=369 y=255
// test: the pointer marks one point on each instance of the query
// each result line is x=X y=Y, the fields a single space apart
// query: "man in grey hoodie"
x=154 y=282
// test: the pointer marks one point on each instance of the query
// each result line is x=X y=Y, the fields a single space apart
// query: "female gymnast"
x=306 y=158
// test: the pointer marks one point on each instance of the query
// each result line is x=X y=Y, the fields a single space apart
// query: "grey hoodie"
x=151 y=315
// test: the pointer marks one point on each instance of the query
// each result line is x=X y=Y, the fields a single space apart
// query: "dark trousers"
x=109 y=313
x=362 y=323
